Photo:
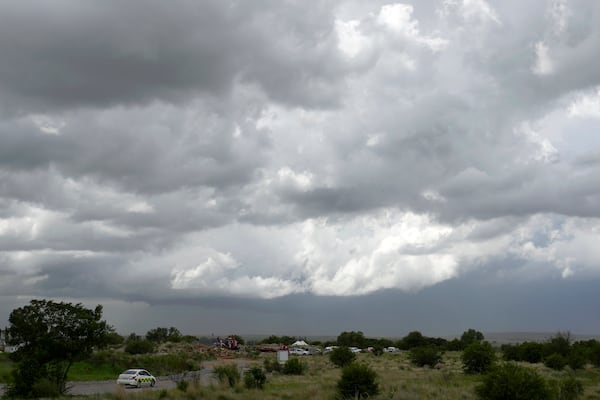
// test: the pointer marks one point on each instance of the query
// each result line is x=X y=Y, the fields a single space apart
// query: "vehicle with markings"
x=136 y=377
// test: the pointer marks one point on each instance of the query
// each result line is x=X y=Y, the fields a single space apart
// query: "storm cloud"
x=249 y=154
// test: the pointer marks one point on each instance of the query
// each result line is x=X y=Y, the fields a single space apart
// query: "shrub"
x=594 y=354
x=577 y=358
x=478 y=357
x=342 y=356
x=139 y=346
x=555 y=361
x=294 y=366
x=357 y=381
x=255 y=378
x=271 y=365
x=569 y=388
x=531 y=352
x=510 y=352
x=510 y=381
x=182 y=385
x=377 y=350
x=45 y=388
x=425 y=355
x=228 y=373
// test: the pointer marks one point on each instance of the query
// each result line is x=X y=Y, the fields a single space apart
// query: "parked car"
x=391 y=349
x=354 y=349
x=299 y=352
x=136 y=377
x=329 y=349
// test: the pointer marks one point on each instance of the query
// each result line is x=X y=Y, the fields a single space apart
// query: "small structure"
x=282 y=356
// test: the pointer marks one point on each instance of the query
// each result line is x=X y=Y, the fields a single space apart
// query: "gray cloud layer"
x=188 y=151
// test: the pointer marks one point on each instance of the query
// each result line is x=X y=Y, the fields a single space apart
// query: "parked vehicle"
x=136 y=377
x=329 y=349
x=299 y=352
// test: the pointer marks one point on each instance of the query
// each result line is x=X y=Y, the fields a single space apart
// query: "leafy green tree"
x=531 y=352
x=161 y=335
x=342 y=356
x=51 y=336
x=357 y=381
x=425 y=355
x=555 y=361
x=510 y=381
x=413 y=339
x=471 y=336
x=478 y=357
x=558 y=344
x=135 y=344
x=352 y=338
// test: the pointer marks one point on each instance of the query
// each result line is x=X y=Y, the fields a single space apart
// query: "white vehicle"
x=299 y=352
x=354 y=349
x=329 y=349
x=136 y=377
x=391 y=349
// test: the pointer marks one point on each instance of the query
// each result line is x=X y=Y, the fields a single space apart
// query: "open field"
x=398 y=380
x=397 y=377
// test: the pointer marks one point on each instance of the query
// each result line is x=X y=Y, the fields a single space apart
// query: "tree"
x=342 y=356
x=352 y=338
x=478 y=357
x=425 y=355
x=413 y=339
x=51 y=336
x=471 y=336
x=161 y=335
x=357 y=381
x=510 y=381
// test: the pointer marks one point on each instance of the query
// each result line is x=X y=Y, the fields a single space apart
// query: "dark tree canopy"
x=52 y=336
x=352 y=338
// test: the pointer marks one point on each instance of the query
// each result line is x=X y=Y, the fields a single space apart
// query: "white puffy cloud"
x=334 y=150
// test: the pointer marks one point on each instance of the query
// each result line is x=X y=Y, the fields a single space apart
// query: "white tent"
x=299 y=343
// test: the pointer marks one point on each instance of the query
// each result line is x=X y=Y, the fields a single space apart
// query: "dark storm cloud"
x=221 y=154
x=65 y=54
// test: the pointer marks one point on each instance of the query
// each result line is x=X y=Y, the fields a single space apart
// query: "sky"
x=284 y=167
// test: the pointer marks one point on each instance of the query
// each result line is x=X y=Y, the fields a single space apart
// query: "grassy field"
x=398 y=380
x=5 y=367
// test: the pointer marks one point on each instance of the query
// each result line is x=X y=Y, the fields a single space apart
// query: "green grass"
x=397 y=377
x=6 y=367
x=85 y=371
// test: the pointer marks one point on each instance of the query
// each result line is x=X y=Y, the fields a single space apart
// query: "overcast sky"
x=304 y=168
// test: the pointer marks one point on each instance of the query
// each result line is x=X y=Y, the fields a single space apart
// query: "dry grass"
x=398 y=380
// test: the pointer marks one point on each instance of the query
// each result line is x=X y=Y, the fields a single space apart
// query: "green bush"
x=182 y=385
x=294 y=366
x=228 y=373
x=594 y=354
x=45 y=388
x=478 y=357
x=139 y=346
x=577 y=358
x=531 y=352
x=357 y=381
x=569 y=388
x=342 y=356
x=271 y=365
x=255 y=378
x=510 y=381
x=425 y=355
x=555 y=361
